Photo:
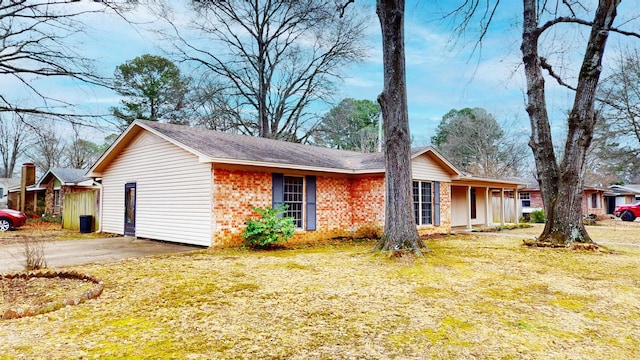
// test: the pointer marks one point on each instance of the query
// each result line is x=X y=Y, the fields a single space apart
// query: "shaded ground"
x=474 y=296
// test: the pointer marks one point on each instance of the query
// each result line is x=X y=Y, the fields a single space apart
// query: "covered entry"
x=483 y=202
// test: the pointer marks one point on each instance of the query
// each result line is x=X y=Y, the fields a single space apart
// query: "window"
x=1 y=192
x=299 y=194
x=526 y=199
x=422 y=202
x=294 y=198
x=594 y=200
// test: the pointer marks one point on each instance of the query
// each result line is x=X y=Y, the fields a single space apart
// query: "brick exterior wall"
x=587 y=208
x=367 y=204
x=535 y=197
x=344 y=206
x=235 y=193
x=445 y=213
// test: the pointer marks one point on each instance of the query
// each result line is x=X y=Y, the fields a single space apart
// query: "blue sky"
x=442 y=71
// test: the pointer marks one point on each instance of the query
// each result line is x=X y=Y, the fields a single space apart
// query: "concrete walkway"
x=76 y=252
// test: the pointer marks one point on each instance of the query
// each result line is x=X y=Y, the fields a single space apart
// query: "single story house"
x=621 y=195
x=593 y=199
x=195 y=186
x=69 y=194
x=25 y=196
x=5 y=185
x=60 y=192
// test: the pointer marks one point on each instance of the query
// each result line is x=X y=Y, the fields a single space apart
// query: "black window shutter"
x=436 y=203
x=311 y=202
x=277 y=190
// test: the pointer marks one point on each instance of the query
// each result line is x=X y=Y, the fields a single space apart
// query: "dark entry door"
x=611 y=204
x=130 y=209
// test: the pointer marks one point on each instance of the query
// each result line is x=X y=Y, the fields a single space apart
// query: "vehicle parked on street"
x=627 y=212
x=11 y=219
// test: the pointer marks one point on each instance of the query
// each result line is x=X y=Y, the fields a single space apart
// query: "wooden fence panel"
x=510 y=212
x=77 y=204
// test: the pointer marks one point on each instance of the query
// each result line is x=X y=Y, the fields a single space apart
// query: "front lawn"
x=475 y=296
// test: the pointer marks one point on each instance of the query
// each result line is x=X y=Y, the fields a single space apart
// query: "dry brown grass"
x=474 y=296
x=44 y=231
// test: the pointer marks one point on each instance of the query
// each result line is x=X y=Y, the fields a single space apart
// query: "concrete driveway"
x=75 y=252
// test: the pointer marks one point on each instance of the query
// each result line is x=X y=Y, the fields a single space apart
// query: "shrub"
x=33 y=251
x=538 y=216
x=269 y=229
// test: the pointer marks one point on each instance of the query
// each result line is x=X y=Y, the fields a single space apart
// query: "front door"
x=130 y=209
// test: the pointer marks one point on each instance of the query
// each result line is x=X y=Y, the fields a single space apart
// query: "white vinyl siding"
x=173 y=192
x=424 y=168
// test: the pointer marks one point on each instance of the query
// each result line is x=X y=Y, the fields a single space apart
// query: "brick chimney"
x=28 y=178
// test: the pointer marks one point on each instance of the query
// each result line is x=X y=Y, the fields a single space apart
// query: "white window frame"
x=292 y=211
x=419 y=210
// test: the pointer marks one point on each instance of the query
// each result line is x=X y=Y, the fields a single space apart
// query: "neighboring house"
x=26 y=196
x=593 y=199
x=530 y=199
x=621 y=195
x=196 y=186
x=5 y=185
x=69 y=194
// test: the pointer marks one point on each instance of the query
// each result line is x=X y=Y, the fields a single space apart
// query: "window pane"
x=293 y=196
x=426 y=203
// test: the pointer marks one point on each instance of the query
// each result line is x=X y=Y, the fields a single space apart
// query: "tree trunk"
x=400 y=231
x=561 y=185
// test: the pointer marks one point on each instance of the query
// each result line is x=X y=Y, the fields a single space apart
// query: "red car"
x=628 y=212
x=11 y=219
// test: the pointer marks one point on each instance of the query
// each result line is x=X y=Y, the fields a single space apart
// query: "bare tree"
x=80 y=153
x=277 y=56
x=619 y=137
x=215 y=108
x=474 y=141
x=560 y=177
x=612 y=157
x=48 y=149
x=561 y=183
x=36 y=41
x=14 y=139
x=400 y=228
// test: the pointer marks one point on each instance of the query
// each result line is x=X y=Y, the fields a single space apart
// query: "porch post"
x=502 y=206
x=468 y=207
x=486 y=206
x=516 y=214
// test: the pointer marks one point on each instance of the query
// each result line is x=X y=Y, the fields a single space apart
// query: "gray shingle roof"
x=68 y=175
x=218 y=145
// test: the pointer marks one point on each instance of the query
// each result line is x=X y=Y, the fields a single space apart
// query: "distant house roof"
x=533 y=185
x=630 y=189
x=9 y=182
x=66 y=176
x=217 y=147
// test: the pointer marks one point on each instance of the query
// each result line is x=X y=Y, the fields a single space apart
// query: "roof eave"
x=243 y=162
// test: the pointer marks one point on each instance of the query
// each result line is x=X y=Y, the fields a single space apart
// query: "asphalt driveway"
x=76 y=252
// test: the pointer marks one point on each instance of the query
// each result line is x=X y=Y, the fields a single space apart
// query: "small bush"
x=269 y=229
x=33 y=251
x=538 y=216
